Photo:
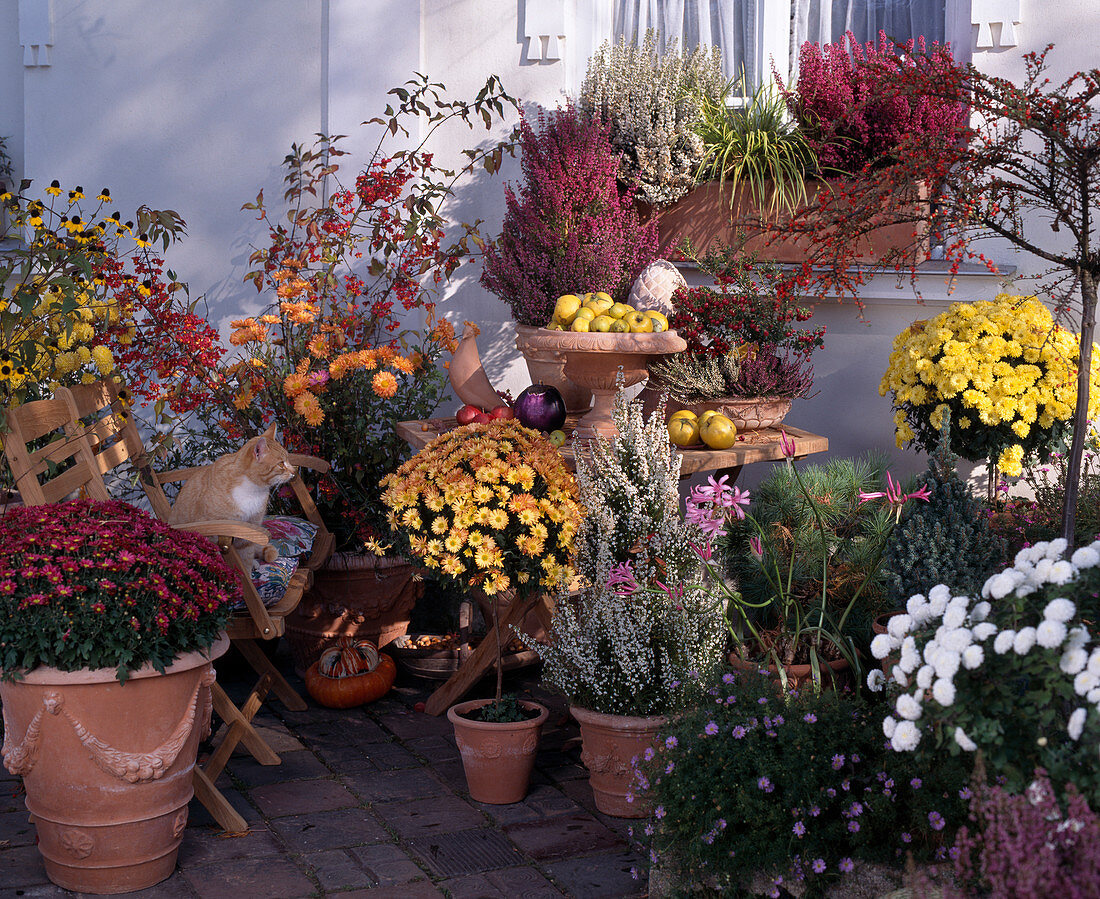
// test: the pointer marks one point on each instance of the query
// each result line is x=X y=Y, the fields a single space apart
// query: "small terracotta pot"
x=497 y=758
x=107 y=766
x=609 y=744
x=748 y=413
x=353 y=595
x=797 y=675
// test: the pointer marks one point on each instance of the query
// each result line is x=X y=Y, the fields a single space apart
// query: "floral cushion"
x=290 y=536
x=271 y=578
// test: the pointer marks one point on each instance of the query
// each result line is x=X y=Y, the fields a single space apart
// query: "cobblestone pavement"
x=374 y=799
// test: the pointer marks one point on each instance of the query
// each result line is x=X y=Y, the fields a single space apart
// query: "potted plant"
x=351 y=345
x=109 y=621
x=746 y=357
x=491 y=506
x=807 y=562
x=567 y=229
x=652 y=98
x=628 y=649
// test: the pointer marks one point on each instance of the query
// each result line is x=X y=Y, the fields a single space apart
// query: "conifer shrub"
x=944 y=541
x=567 y=228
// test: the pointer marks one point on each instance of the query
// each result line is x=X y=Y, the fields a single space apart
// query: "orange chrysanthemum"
x=384 y=384
x=295 y=385
x=403 y=364
x=319 y=347
x=299 y=313
x=309 y=407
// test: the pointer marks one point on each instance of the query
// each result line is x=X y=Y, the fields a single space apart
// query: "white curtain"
x=826 y=21
x=727 y=24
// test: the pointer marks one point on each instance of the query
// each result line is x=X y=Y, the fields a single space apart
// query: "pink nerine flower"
x=893 y=494
x=756 y=546
x=786 y=444
x=621 y=580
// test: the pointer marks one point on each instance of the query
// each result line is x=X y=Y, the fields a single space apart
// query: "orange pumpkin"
x=351 y=673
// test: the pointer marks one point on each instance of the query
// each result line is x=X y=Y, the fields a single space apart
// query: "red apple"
x=483 y=418
x=503 y=412
x=467 y=414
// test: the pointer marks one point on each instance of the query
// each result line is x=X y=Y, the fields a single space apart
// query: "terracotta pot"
x=748 y=413
x=609 y=744
x=353 y=595
x=705 y=218
x=107 y=766
x=797 y=675
x=497 y=758
x=547 y=366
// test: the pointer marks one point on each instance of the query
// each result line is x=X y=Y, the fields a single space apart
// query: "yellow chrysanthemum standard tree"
x=1004 y=371
x=491 y=506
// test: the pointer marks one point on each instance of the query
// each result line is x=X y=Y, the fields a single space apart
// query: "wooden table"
x=751 y=446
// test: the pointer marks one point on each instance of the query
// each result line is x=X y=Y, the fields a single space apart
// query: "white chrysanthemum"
x=980 y=611
x=1060 y=609
x=1000 y=585
x=889 y=725
x=925 y=676
x=1050 y=634
x=1085 y=681
x=1040 y=574
x=898 y=626
x=908 y=707
x=1073 y=660
x=921 y=616
x=1025 y=639
x=1055 y=549
x=955 y=616
x=957 y=640
x=1085 y=557
x=906 y=737
x=1061 y=572
x=946 y=664
x=964 y=741
x=882 y=645
x=915 y=602
x=1004 y=642
x=1094 y=662
x=876 y=680
x=1078 y=636
x=972 y=657
x=1076 y=724
x=910 y=656
x=899 y=676
x=984 y=631
x=1028 y=555
x=943 y=691
x=1093 y=696
x=940 y=593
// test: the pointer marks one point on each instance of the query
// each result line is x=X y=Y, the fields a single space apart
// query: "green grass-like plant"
x=758 y=145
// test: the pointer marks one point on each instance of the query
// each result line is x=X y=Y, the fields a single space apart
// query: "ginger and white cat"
x=237 y=487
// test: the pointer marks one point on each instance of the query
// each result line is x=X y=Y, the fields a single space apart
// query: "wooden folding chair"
x=108 y=441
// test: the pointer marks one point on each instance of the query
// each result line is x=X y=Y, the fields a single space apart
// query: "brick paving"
x=373 y=802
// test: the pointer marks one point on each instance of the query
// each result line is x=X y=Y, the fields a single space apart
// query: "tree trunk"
x=1080 y=413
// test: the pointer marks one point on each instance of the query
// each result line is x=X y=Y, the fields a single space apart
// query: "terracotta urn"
x=547 y=366
x=748 y=413
x=107 y=766
x=609 y=745
x=606 y=363
x=353 y=595
x=497 y=757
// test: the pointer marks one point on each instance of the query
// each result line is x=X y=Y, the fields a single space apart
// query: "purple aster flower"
x=659 y=812
x=728 y=678
x=739 y=732
x=764 y=784
x=965 y=793
x=799 y=829
x=670 y=767
x=711 y=729
x=916 y=783
x=831 y=793
x=763 y=700
x=853 y=827
x=648 y=754
x=838 y=762
x=935 y=820
x=814 y=811
x=845 y=785
x=846 y=865
x=907 y=838
x=810 y=718
x=671 y=743
x=819 y=866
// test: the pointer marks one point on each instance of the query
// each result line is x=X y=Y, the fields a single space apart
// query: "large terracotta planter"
x=353 y=595
x=609 y=744
x=798 y=676
x=547 y=366
x=605 y=364
x=705 y=218
x=107 y=766
x=497 y=758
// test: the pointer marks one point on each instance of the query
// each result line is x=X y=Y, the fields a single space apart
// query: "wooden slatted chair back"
x=51 y=470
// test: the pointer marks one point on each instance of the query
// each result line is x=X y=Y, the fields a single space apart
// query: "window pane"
x=727 y=24
x=827 y=21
